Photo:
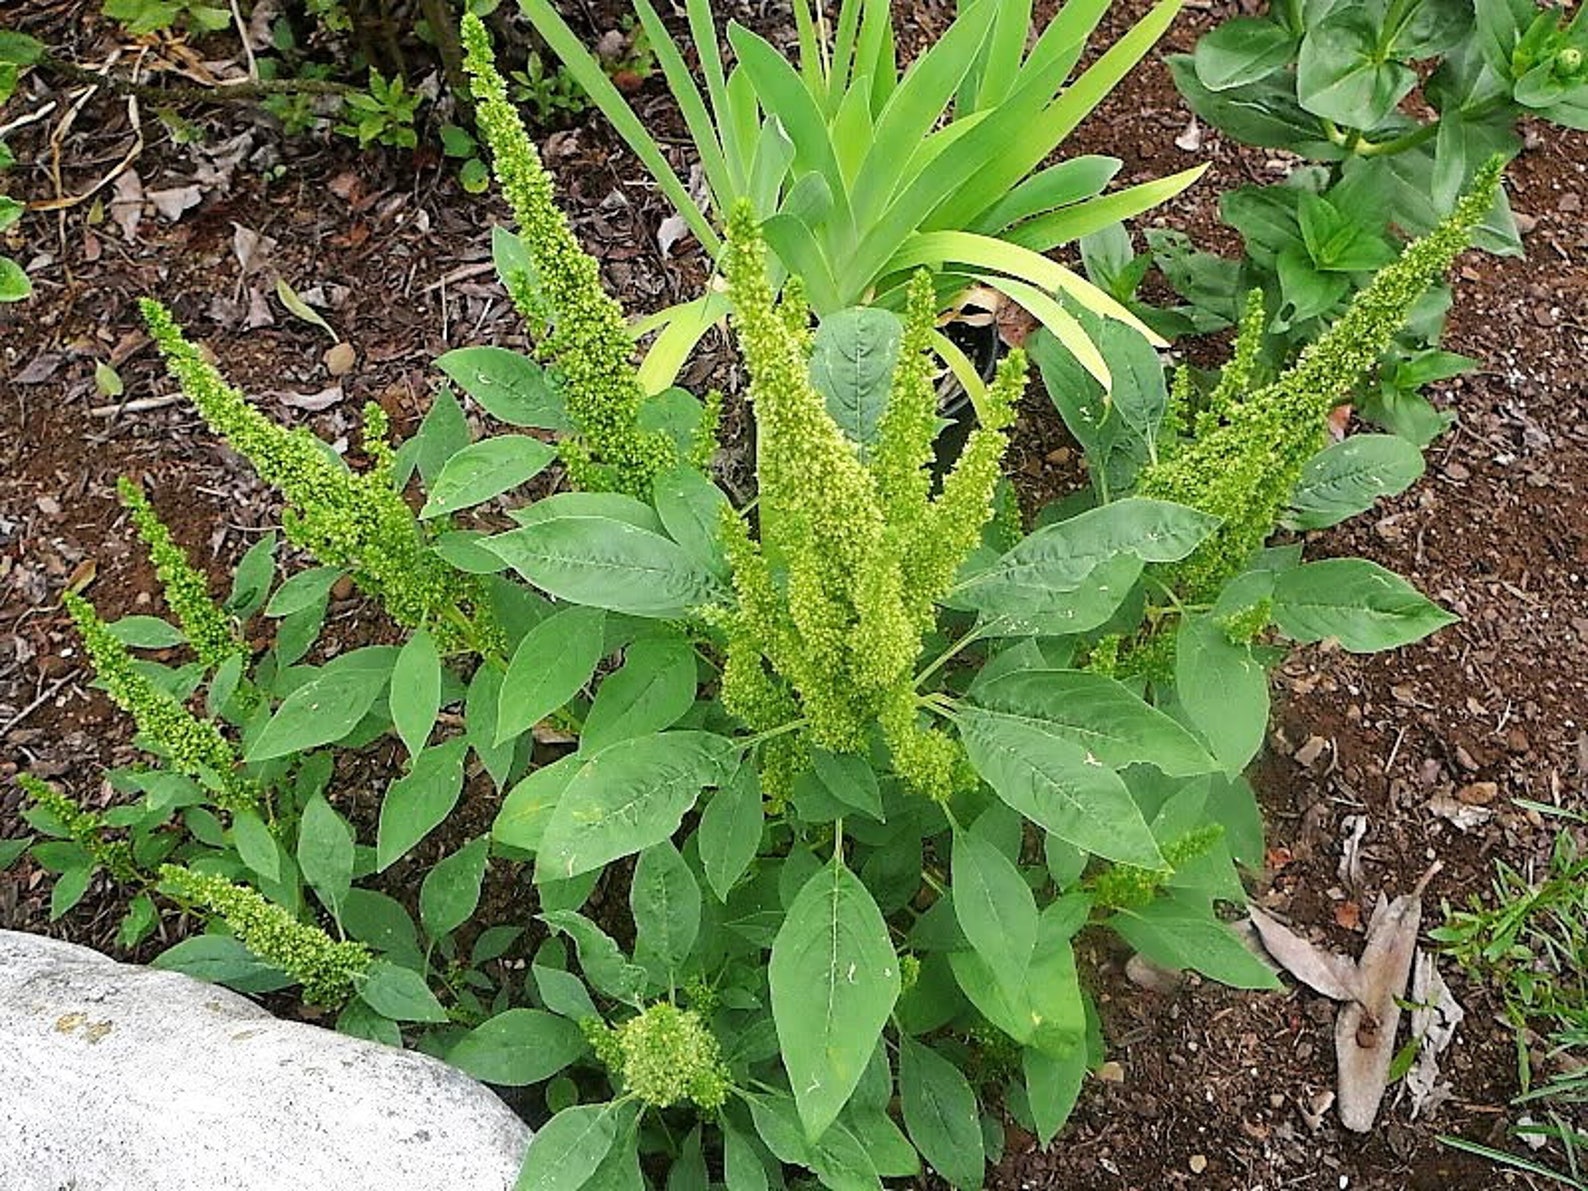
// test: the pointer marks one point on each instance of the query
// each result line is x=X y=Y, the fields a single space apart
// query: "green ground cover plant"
x=1528 y=941
x=851 y=765
x=1338 y=84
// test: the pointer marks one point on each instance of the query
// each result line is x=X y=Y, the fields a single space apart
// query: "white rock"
x=115 y=1077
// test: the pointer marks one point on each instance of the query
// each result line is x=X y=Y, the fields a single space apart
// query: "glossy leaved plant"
x=850 y=766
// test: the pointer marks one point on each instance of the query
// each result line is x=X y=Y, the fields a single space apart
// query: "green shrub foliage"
x=851 y=764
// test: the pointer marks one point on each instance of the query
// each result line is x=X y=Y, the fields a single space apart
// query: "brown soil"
x=1214 y=1088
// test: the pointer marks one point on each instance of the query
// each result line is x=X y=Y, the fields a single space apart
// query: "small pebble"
x=1198 y=1163
x=339 y=360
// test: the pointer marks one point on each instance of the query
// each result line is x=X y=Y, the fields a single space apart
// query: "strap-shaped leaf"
x=1048 y=231
x=1057 y=186
x=702 y=129
x=595 y=83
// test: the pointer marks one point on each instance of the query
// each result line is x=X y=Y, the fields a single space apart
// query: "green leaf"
x=145 y=632
x=1053 y=1085
x=19 y=49
x=528 y=807
x=400 y=993
x=1057 y=559
x=1046 y=1010
x=1224 y=689
x=1350 y=476
x=518 y=1047
x=550 y=666
x=442 y=434
x=1264 y=112
x=691 y=508
x=994 y=906
x=741 y=1166
x=14 y=283
x=849 y=778
x=665 y=901
x=941 y=1113
x=1242 y=50
x=256 y=845
x=322 y=710
x=70 y=886
x=416 y=690
x=325 y=853
x=251 y=580
x=11 y=850
x=834 y=979
x=1336 y=241
x=481 y=711
x=418 y=801
x=1179 y=934
x=600 y=957
x=1056 y=784
x=1342 y=76
x=653 y=690
x=627 y=797
x=487 y=468
x=852 y=362
x=730 y=831
x=567 y=1148
x=300 y=309
x=306 y=589
x=608 y=564
x=1359 y=603
x=221 y=959
x=1104 y=717
x=451 y=890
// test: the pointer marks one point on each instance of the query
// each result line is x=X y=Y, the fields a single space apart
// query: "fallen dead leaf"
x=1462 y=815
x=1435 y=1017
x=1190 y=139
x=252 y=249
x=673 y=229
x=1335 y=976
x=174 y=200
x=1143 y=973
x=313 y=402
x=126 y=208
x=1350 y=869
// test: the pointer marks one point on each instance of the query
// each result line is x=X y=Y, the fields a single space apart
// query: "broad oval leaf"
x=451 y=890
x=416 y=690
x=322 y=710
x=1241 y=51
x=941 y=1114
x=1056 y=559
x=419 y=800
x=1359 y=603
x=665 y=900
x=835 y=979
x=1350 y=476
x=627 y=797
x=485 y=469
x=1224 y=690
x=1179 y=934
x=528 y=807
x=567 y=1148
x=400 y=993
x=1058 y=785
x=325 y=852
x=1104 y=717
x=518 y=1047
x=653 y=690
x=608 y=564
x=994 y=906
x=553 y=661
x=852 y=362
x=512 y=388
x=730 y=831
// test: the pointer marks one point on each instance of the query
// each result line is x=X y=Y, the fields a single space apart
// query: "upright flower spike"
x=1244 y=468
x=832 y=631
x=193 y=746
x=344 y=518
x=589 y=344
x=209 y=630
x=328 y=970
x=84 y=828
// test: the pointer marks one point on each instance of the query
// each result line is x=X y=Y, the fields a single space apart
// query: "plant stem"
x=771 y=733
x=975 y=634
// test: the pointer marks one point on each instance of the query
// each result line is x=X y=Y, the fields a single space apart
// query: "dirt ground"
x=1428 y=747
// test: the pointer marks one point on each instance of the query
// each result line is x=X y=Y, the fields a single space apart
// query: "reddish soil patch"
x=1215 y=1088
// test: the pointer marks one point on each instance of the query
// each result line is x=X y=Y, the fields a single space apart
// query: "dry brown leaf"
x=1335 y=976
x=1434 y=1021
x=1364 y=1032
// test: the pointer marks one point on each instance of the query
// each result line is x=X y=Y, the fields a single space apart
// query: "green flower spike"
x=1251 y=447
x=344 y=518
x=209 y=630
x=328 y=970
x=833 y=631
x=589 y=345
x=192 y=746
x=84 y=828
